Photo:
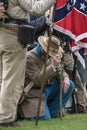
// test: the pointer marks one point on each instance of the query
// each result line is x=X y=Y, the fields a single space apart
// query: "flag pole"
x=44 y=71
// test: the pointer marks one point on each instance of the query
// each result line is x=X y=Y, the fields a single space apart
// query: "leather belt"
x=51 y=82
x=15 y=21
x=13 y=24
x=11 y=27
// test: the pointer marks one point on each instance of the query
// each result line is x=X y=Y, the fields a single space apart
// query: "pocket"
x=26 y=34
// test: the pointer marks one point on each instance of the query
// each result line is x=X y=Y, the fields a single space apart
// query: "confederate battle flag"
x=71 y=19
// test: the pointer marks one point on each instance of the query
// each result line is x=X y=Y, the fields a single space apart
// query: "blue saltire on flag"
x=71 y=19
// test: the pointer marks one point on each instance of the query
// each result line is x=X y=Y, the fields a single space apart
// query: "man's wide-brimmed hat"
x=55 y=47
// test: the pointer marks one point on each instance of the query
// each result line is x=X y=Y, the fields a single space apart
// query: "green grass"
x=69 y=122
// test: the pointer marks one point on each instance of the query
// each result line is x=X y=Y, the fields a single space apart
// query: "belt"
x=15 y=21
x=11 y=27
x=13 y=24
x=51 y=82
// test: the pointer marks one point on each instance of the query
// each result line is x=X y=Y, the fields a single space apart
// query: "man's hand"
x=56 y=61
x=66 y=84
x=2 y=10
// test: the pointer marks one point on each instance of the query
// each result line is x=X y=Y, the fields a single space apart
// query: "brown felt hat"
x=55 y=47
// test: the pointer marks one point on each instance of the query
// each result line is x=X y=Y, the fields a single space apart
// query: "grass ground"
x=69 y=122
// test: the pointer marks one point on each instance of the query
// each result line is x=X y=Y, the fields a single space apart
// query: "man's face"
x=2 y=10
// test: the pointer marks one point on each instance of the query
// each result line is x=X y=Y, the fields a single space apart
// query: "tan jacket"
x=35 y=66
x=20 y=9
x=34 y=71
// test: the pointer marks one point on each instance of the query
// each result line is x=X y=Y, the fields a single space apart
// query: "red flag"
x=71 y=19
x=63 y=17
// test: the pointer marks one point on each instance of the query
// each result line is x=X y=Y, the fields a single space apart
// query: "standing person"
x=50 y=106
x=74 y=75
x=2 y=15
x=13 y=55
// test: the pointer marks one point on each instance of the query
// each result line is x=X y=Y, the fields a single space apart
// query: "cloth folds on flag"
x=71 y=19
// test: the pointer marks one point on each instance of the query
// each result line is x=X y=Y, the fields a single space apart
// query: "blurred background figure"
x=2 y=11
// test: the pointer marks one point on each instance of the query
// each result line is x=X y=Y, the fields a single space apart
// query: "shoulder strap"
x=28 y=87
x=25 y=91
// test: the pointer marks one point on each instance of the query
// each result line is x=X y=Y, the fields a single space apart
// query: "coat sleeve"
x=35 y=67
x=36 y=7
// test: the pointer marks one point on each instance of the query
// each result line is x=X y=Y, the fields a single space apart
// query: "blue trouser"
x=52 y=99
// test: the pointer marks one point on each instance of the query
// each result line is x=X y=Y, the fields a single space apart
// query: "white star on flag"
x=68 y=6
x=82 y=6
